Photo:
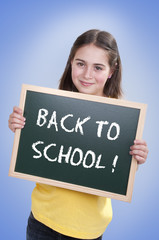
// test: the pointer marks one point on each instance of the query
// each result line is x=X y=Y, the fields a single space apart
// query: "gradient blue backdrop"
x=35 y=39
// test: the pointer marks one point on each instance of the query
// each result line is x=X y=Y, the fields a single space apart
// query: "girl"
x=93 y=67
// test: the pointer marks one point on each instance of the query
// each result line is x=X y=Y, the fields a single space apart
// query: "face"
x=90 y=70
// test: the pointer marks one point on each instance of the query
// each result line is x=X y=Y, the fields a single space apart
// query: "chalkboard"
x=77 y=141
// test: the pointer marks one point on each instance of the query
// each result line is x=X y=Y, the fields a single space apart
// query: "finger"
x=139 y=153
x=140 y=142
x=139 y=147
x=15 y=116
x=17 y=110
x=139 y=159
x=15 y=126
x=16 y=121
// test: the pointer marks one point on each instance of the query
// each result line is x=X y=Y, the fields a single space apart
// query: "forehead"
x=91 y=53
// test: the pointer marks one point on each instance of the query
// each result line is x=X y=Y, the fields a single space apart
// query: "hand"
x=16 y=119
x=139 y=151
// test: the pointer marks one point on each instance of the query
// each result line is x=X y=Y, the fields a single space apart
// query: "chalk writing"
x=42 y=120
x=53 y=121
x=114 y=163
x=69 y=155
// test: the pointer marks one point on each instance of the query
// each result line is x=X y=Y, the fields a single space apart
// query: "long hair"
x=107 y=42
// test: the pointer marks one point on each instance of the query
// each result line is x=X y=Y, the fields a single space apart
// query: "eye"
x=80 y=64
x=98 y=68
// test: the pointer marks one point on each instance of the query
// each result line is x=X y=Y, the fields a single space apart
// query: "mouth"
x=86 y=84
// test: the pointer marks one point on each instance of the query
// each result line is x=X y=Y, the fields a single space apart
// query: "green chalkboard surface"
x=77 y=141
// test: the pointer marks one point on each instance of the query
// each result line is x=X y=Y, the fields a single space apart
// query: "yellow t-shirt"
x=71 y=213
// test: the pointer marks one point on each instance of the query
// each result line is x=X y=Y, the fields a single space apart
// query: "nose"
x=88 y=74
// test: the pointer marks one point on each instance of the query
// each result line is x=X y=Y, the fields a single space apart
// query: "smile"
x=86 y=84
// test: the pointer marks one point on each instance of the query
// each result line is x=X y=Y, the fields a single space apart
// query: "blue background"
x=35 y=40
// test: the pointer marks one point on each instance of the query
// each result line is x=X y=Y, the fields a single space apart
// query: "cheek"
x=75 y=73
x=101 y=80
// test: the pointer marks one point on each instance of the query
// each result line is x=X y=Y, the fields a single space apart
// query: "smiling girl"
x=90 y=70
x=93 y=67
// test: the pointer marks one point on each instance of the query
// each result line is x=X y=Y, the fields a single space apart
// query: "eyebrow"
x=99 y=64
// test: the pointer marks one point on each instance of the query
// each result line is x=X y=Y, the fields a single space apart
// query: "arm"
x=16 y=119
x=140 y=151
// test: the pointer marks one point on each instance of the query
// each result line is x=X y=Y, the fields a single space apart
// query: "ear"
x=112 y=70
x=111 y=73
x=110 y=76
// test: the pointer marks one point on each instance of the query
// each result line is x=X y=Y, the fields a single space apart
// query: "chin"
x=86 y=92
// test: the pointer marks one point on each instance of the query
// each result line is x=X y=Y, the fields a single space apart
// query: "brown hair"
x=107 y=42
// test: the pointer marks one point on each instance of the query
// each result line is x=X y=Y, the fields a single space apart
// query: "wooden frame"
x=133 y=168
